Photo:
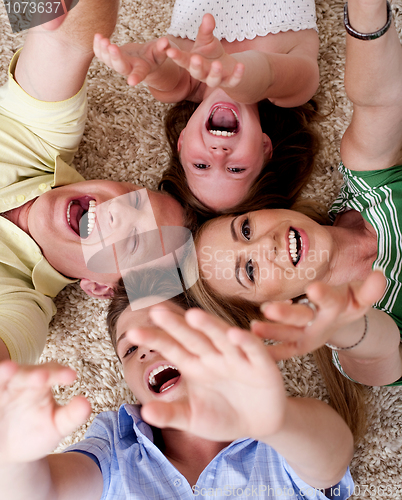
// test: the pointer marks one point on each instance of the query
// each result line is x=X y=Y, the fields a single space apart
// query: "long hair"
x=295 y=141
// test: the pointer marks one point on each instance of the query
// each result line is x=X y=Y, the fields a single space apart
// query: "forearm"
x=373 y=70
x=286 y=79
x=315 y=441
x=376 y=360
x=170 y=83
x=53 y=64
x=30 y=480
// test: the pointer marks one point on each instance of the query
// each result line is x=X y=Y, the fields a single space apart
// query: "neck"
x=190 y=454
x=19 y=215
x=355 y=243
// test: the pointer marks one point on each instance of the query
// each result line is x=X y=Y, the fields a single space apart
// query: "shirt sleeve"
x=32 y=132
x=24 y=319
x=340 y=491
x=98 y=445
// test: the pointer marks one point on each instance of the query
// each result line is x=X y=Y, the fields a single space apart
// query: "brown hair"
x=146 y=282
x=295 y=143
x=346 y=397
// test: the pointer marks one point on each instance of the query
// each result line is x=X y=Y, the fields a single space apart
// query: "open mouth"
x=223 y=121
x=295 y=246
x=81 y=216
x=163 y=378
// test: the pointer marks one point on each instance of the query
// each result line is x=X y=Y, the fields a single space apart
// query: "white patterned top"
x=242 y=19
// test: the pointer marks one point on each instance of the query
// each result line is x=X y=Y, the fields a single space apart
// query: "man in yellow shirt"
x=42 y=119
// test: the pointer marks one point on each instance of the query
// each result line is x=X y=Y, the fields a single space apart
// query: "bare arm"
x=373 y=78
x=31 y=425
x=376 y=360
x=54 y=62
x=147 y=62
x=287 y=79
x=236 y=390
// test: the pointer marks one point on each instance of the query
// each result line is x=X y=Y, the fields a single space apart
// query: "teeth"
x=293 y=245
x=151 y=378
x=224 y=133
x=68 y=212
x=91 y=216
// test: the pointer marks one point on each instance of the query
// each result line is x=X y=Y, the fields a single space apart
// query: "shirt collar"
x=129 y=419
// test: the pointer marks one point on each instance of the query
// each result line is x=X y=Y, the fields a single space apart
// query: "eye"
x=135 y=198
x=250 y=270
x=130 y=350
x=201 y=166
x=236 y=170
x=245 y=229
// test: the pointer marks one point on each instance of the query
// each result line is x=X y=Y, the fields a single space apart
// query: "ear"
x=96 y=290
x=267 y=146
x=180 y=140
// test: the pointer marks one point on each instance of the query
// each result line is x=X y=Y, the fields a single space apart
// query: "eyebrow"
x=122 y=336
x=232 y=229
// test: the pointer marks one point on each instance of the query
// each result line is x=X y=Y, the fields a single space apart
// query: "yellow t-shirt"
x=38 y=141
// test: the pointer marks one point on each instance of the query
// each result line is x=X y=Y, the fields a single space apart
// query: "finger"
x=214 y=328
x=372 y=289
x=160 y=341
x=283 y=351
x=236 y=77
x=97 y=44
x=215 y=76
x=198 y=67
x=162 y=415
x=184 y=333
x=180 y=57
x=67 y=418
x=251 y=345
x=163 y=44
x=138 y=73
x=7 y=371
x=288 y=313
x=38 y=376
x=102 y=50
x=205 y=31
x=119 y=61
x=269 y=331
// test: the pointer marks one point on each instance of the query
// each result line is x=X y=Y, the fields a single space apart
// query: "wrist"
x=366 y=16
x=351 y=336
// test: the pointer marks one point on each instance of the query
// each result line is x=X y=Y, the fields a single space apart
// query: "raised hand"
x=207 y=61
x=134 y=60
x=301 y=330
x=234 y=387
x=31 y=423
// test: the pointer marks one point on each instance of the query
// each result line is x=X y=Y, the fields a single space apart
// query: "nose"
x=220 y=150
x=145 y=354
x=121 y=213
x=265 y=249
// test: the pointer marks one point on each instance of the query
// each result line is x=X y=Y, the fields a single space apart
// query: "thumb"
x=162 y=415
x=205 y=31
x=372 y=289
x=67 y=418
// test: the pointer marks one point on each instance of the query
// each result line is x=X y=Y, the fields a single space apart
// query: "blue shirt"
x=134 y=468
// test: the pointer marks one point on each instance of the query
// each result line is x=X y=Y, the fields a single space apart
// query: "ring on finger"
x=312 y=306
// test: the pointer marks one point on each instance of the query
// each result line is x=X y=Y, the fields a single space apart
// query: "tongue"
x=76 y=212
x=167 y=384
x=223 y=119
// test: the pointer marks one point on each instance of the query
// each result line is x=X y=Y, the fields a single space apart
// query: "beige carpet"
x=124 y=141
